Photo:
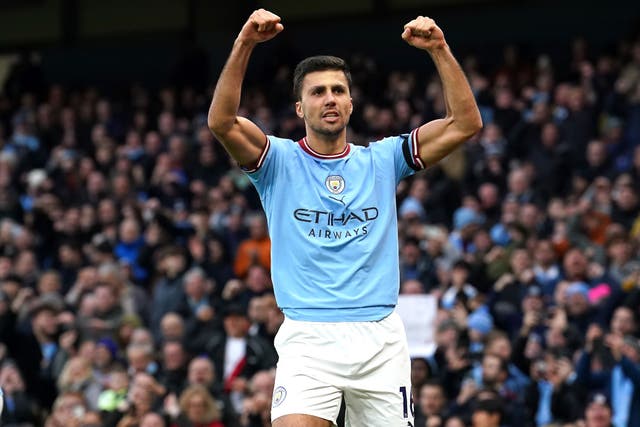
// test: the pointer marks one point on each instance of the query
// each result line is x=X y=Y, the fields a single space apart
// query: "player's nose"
x=330 y=99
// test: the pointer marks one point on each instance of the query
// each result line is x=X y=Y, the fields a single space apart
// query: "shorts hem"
x=333 y=422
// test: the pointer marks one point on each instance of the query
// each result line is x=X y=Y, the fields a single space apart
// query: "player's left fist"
x=423 y=33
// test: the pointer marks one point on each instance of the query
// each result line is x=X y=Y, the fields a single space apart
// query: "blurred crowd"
x=134 y=256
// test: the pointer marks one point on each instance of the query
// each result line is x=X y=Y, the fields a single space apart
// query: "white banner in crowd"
x=418 y=313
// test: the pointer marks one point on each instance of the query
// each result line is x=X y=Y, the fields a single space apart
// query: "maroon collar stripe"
x=305 y=146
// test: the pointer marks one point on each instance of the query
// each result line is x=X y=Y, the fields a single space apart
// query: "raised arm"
x=621 y=352
x=439 y=137
x=241 y=138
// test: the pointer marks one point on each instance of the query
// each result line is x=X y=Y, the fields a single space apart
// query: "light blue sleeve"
x=271 y=163
x=404 y=152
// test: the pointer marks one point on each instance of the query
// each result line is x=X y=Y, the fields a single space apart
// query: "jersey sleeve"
x=411 y=151
x=263 y=174
x=403 y=149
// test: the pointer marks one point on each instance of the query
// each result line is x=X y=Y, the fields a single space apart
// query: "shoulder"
x=389 y=140
x=283 y=143
x=276 y=150
x=396 y=145
x=277 y=147
x=383 y=145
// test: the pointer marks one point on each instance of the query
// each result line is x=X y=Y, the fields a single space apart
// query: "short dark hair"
x=433 y=382
x=491 y=406
x=318 y=63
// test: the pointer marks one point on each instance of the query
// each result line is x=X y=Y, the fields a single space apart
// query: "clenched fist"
x=261 y=26
x=423 y=33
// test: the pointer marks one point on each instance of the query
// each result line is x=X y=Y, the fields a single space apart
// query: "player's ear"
x=351 y=105
x=299 y=111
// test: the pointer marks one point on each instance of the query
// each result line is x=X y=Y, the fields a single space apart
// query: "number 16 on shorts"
x=407 y=402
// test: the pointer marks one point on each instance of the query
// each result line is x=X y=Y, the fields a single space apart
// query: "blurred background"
x=96 y=42
x=132 y=250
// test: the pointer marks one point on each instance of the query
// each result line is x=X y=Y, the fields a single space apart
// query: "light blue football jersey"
x=333 y=226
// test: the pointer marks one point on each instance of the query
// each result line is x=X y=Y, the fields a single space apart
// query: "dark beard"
x=327 y=132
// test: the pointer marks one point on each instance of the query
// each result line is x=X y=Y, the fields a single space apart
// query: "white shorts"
x=366 y=362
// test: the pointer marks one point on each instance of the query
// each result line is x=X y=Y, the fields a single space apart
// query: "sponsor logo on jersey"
x=335 y=184
x=329 y=218
x=357 y=220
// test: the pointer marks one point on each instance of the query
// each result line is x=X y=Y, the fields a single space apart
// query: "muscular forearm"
x=226 y=98
x=460 y=102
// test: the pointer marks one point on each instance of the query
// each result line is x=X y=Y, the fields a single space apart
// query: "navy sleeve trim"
x=416 y=150
x=406 y=152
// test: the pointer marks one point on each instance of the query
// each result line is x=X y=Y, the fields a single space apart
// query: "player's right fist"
x=261 y=26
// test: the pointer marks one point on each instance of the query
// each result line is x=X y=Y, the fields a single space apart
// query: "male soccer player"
x=331 y=211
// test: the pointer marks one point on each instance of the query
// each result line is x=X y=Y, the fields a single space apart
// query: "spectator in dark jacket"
x=553 y=396
x=19 y=408
x=621 y=383
x=237 y=355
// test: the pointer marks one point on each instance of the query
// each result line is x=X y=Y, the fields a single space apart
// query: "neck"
x=327 y=144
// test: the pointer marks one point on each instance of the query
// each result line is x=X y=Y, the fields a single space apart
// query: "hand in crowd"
x=530 y=320
x=85 y=281
x=526 y=276
x=66 y=318
x=595 y=270
x=503 y=281
x=467 y=391
x=460 y=314
x=205 y=313
x=257 y=404
x=456 y=358
x=171 y=406
x=149 y=383
x=232 y=288
x=434 y=421
x=67 y=341
x=594 y=332
x=616 y=344
x=22 y=299
x=560 y=372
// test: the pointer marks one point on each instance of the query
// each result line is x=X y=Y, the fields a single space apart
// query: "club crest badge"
x=334 y=183
x=279 y=394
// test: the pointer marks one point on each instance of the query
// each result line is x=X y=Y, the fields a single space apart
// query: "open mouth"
x=331 y=116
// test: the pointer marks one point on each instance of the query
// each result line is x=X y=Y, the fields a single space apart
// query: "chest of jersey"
x=337 y=199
